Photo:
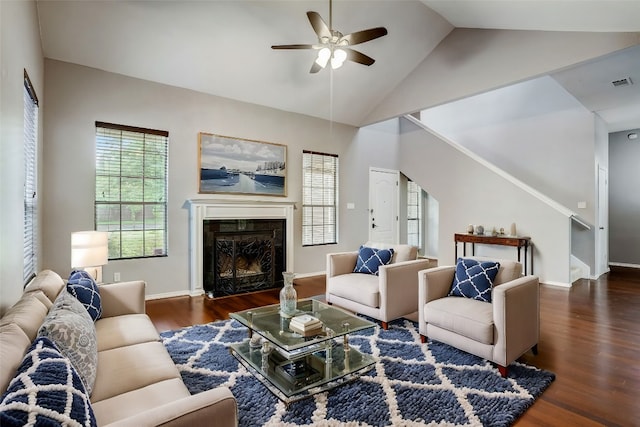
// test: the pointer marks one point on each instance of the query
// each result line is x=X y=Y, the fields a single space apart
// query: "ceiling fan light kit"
x=333 y=45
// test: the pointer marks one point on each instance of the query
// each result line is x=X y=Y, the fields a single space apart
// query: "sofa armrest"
x=341 y=263
x=216 y=407
x=516 y=316
x=122 y=298
x=399 y=288
x=433 y=283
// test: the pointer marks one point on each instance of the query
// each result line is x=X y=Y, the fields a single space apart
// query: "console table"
x=515 y=241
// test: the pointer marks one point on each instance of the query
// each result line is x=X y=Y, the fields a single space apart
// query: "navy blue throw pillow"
x=82 y=286
x=46 y=391
x=474 y=279
x=370 y=259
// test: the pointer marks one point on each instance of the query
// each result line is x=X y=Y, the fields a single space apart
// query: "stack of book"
x=305 y=323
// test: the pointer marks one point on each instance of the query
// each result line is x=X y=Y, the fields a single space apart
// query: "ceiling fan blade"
x=295 y=46
x=359 y=57
x=364 y=35
x=318 y=24
x=315 y=68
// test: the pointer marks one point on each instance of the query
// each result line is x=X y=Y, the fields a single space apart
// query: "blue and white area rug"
x=412 y=384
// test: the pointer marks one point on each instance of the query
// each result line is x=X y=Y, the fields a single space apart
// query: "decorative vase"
x=479 y=229
x=470 y=229
x=288 y=296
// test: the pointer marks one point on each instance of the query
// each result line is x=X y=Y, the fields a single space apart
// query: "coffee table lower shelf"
x=313 y=374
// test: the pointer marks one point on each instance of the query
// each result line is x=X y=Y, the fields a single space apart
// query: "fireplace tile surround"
x=201 y=210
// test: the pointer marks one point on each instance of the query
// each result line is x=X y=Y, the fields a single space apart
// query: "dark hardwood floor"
x=589 y=337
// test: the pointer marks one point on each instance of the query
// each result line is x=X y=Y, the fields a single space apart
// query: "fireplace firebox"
x=243 y=255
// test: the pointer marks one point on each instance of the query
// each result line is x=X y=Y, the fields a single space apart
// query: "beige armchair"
x=499 y=331
x=392 y=294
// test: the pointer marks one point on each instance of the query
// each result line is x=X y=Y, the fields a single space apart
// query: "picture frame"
x=230 y=165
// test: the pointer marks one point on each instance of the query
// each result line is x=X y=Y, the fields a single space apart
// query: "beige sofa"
x=390 y=295
x=137 y=383
x=499 y=331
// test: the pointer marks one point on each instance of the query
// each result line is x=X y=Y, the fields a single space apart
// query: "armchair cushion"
x=370 y=259
x=363 y=288
x=474 y=279
x=463 y=316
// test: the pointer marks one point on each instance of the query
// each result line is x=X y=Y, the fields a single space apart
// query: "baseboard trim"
x=557 y=284
x=622 y=264
x=303 y=275
x=174 y=294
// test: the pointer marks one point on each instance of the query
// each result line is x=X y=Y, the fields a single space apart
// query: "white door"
x=383 y=205
x=602 y=233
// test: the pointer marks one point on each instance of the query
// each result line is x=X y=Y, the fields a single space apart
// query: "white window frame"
x=414 y=214
x=319 y=198
x=131 y=221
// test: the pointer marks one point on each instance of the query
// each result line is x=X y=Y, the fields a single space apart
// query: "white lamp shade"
x=89 y=248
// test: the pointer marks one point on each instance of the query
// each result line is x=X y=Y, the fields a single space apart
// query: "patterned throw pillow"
x=46 y=391
x=474 y=279
x=70 y=327
x=82 y=286
x=370 y=259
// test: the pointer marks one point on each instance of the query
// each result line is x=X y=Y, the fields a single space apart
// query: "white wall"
x=535 y=131
x=78 y=96
x=470 y=61
x=20 y=49
x=470 y=193
x=373 y=146
x=540 y=134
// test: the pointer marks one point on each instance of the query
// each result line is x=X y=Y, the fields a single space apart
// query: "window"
x=319 y=198
x=414 y=214
x=30 y=179
x=131 y=189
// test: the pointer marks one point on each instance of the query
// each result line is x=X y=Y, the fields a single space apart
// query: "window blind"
x=30 y=180
x=319 y=198
x=131 y=189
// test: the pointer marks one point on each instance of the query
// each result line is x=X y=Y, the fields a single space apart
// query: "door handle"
x=373 y=225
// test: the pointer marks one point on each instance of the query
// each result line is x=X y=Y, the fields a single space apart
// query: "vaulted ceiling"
x=224 y=47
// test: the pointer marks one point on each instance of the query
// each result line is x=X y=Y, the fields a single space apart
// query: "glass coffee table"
x=295 y=365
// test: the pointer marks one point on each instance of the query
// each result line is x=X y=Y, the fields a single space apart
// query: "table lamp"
x=89 y=252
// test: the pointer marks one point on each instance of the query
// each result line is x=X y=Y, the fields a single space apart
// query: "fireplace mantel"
x=212 y=209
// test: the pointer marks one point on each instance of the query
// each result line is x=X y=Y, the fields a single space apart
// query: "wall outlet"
x=116 y=277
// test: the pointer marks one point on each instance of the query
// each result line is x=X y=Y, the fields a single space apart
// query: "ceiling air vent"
x=622 y=82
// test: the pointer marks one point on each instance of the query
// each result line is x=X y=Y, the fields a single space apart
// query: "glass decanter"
x=288 y=296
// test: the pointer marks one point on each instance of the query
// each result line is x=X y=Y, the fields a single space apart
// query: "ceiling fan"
x=335 y=46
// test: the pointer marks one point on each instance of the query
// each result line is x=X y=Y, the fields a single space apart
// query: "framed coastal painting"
x=241 y=166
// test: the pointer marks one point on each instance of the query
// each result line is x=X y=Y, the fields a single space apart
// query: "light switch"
x=351 y=206
x=582 y=205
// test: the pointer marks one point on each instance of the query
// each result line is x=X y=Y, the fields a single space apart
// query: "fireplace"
x=244 y=230
x=242 y=255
